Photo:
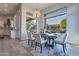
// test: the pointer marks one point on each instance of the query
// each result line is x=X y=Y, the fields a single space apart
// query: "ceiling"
x=41 y=6
x=8 y=8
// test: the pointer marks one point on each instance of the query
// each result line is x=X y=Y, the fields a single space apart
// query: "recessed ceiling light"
x=5 y=9
x=5 y=5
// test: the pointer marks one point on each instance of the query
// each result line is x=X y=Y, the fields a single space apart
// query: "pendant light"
x=36 y=13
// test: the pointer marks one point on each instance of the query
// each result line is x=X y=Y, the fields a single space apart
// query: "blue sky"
x=55 y=20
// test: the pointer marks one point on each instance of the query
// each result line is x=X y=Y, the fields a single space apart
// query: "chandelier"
x=36 y=13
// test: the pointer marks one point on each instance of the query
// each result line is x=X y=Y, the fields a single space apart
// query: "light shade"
x=36 y=14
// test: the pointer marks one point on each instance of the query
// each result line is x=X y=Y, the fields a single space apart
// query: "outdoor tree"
x=30 y=26
x=63 y=24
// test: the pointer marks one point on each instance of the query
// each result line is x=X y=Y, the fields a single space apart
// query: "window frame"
x=53 y=16
x=32 y=20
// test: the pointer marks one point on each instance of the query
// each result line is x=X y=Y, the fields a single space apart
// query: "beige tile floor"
x=9 y=47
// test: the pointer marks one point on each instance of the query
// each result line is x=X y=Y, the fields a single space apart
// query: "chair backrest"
x=37 y=37
x=29 y=35
x=66 y=36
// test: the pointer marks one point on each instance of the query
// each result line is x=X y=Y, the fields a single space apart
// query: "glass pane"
x=57 y=12
x=55 y=20
x=57 y=23
x=31 y=25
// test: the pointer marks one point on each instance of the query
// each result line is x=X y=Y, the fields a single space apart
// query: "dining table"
x=50 y=37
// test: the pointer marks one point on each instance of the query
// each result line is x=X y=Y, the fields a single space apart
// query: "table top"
x=52 y=34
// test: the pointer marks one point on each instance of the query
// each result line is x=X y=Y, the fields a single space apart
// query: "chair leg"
x=41 y=49
x=28 y=41
x=64 y=49
x=35 y=45
x=52 y=43
x=65 y=46
x=55 y=44
x=48 y=47
x=49 y=42
x=46 y=44
x=31 y=43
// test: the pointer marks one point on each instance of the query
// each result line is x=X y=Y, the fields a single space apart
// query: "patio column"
x=73 y=22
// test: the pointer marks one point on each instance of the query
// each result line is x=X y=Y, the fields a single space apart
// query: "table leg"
x=52 y=43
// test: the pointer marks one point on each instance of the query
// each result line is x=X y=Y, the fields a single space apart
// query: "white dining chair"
x=30 y=38
x=62 y=41
x=39 y=41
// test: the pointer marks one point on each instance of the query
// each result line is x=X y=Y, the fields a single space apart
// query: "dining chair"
x=30 y=38
x=39 y=41
x=62 y=41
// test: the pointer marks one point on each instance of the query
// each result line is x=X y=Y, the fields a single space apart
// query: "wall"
x=24 y=8
x=16 y=33
x=73 y=23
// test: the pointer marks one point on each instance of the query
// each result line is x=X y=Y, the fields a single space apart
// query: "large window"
x=55 y=21
x=31 y=24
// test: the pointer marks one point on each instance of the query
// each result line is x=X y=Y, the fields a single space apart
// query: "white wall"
x=73 y=22
x=16 y=33
x=24 y=9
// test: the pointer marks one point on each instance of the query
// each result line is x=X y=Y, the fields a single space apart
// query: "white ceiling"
x=41 y=6
x=8 y=8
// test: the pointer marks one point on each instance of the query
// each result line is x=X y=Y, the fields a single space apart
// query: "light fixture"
x=5 y=9
x=5 y=5
x=36 y=13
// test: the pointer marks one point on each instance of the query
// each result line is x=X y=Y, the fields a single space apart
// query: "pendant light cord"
x=36 y=6
x=37 y=13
